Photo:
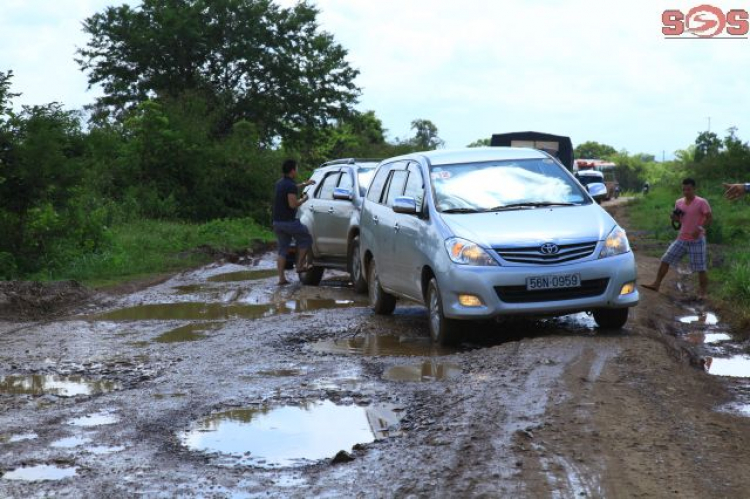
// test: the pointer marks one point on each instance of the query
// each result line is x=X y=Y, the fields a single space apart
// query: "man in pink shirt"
x=694 y=213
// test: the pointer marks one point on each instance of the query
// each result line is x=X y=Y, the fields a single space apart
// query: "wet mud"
x=218 y=383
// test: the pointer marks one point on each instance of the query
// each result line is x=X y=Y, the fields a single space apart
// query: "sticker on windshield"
x=440 y=175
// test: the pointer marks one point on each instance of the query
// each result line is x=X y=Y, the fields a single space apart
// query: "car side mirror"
x=406 y=205
x=597 y=189
x=342 y=194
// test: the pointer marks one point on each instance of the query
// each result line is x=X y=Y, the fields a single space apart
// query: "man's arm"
x=735 y=191
x=295 y=202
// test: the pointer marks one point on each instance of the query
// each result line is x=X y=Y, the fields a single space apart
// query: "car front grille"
x=533 y=254
x=519 y=294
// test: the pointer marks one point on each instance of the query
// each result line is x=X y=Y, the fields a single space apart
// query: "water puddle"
x=708 y=319
x=247 y=275
x=372 y=345
x=49 y=384
x=733 y=367
x=281 y=373
x=708 y=338
x=97 y=419
x=289 y=436
x=41 y=472
x=70 y=442
x=189 y=289
x=191 y=332
x=101 y=450
x=22 y=437
x=218 y=311
x=427 y=371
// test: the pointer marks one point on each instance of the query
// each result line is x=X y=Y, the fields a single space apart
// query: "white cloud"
x=589 y=69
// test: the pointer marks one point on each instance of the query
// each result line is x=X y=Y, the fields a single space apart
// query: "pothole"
x=737 y=366
x=281 y=373
x=425 y=372
x=247 y=275
x=191 y=332
x=70 y=442
x=50 y=384
x=40 y=473
x=390 y=345
x=96 y=419
x=218 y=311
x=708 y=319
x=708 y=338
x=289 y=436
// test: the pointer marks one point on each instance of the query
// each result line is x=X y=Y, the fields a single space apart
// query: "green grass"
x=148 y=247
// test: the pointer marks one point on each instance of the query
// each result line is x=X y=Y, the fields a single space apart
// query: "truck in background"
x=607 y=168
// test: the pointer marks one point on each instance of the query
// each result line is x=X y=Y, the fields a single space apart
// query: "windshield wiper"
x=514 y=206
x=461 y=210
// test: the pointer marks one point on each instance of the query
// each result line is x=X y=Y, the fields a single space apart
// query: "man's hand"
x=309 y=182
x=734 y=191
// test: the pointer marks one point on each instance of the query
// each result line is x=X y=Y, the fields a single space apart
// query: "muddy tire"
x=381 y=302
x=313 y=276
x=443 y=331
x=611 y=318
x=355 y=268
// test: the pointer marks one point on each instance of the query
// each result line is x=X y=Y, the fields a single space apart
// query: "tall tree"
x=426 y=136
x=255 y=61
x=480 y=143
x=594 y=150
x=707 y=145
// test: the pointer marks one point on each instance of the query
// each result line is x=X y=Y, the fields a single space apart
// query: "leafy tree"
x=426 y=135
x=254 y=60
x=594 y=150
x=480 y=143
x=707 y=145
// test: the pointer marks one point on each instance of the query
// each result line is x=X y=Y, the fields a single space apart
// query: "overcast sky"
x=589 y=69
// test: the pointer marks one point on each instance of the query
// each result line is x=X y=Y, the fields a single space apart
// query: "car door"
x=409 y=238
x=388 y=226
x=322 y=211
x=339 y=216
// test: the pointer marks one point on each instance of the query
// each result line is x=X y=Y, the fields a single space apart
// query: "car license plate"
x=556 y=281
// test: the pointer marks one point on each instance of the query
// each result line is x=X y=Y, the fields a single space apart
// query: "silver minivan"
x=486 y=232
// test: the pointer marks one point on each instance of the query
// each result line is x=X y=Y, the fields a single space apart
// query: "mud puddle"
x=737 y=366
x=70 y=442
x=246 y=275
x=424 y=372
x=218 y=311
x=390 y=345
x=42 y=472
x=289 y=436
x=49 y=384
x=191 y=332
x=101 y=418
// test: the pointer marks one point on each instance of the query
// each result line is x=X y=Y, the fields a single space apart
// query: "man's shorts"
x=293 y=229
x=696 y=250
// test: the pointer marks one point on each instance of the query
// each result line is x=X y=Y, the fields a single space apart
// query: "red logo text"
x=706 y=21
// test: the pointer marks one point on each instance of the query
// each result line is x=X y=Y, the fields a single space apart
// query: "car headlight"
x=616 y=243
x=465 y=252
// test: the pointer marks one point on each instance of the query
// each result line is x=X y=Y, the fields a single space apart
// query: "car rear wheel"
x=355 y=268
x=611 y=318
x=442 y=330
x=313 y=276
x=381 y=302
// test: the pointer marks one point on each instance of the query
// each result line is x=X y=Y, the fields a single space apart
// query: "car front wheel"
x=355 y=268
x=381 y=302
x=611 y=318
x=443 y=331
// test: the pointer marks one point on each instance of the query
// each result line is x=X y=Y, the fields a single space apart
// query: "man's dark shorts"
x=294 y=229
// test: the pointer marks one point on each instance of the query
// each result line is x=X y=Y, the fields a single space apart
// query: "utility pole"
x=709 y=123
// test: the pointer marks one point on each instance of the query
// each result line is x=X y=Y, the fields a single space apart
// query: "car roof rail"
x=351 y=161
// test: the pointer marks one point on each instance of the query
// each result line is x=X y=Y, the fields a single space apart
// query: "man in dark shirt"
x=286 y=226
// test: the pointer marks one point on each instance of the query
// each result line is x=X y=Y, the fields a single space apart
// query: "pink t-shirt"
x=694 y=216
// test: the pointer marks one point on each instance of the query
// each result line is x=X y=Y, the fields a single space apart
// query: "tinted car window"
x=378 y=182
x=415 y=185
x=396 y=185
x=328 y=185
x=346 y=181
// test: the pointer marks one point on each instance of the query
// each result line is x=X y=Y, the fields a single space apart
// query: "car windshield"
x=364 y=177
x=503 y=185
x=589 y=179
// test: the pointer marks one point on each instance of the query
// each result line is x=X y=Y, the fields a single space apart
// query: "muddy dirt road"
x=217 y=383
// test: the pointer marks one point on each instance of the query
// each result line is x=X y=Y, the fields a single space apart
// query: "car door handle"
x=397 y=227
x=375 y=219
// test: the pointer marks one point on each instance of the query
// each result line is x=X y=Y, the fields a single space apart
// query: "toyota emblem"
x=549 y=249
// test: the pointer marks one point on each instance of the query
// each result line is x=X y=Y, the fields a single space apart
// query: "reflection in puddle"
x=189 y=289
x=48 y=384
x=96 y=419
x=384 y=345
x=246 y=275
x=708 y=338
x=281 y=373
x=41 y=472
x=709 y=319
x=218 y=311
x=191 y=332
x=289 y=435
x=70 y=442
x=735 y=367
x=427 y=371
x=101 y=450
x=22 y=437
